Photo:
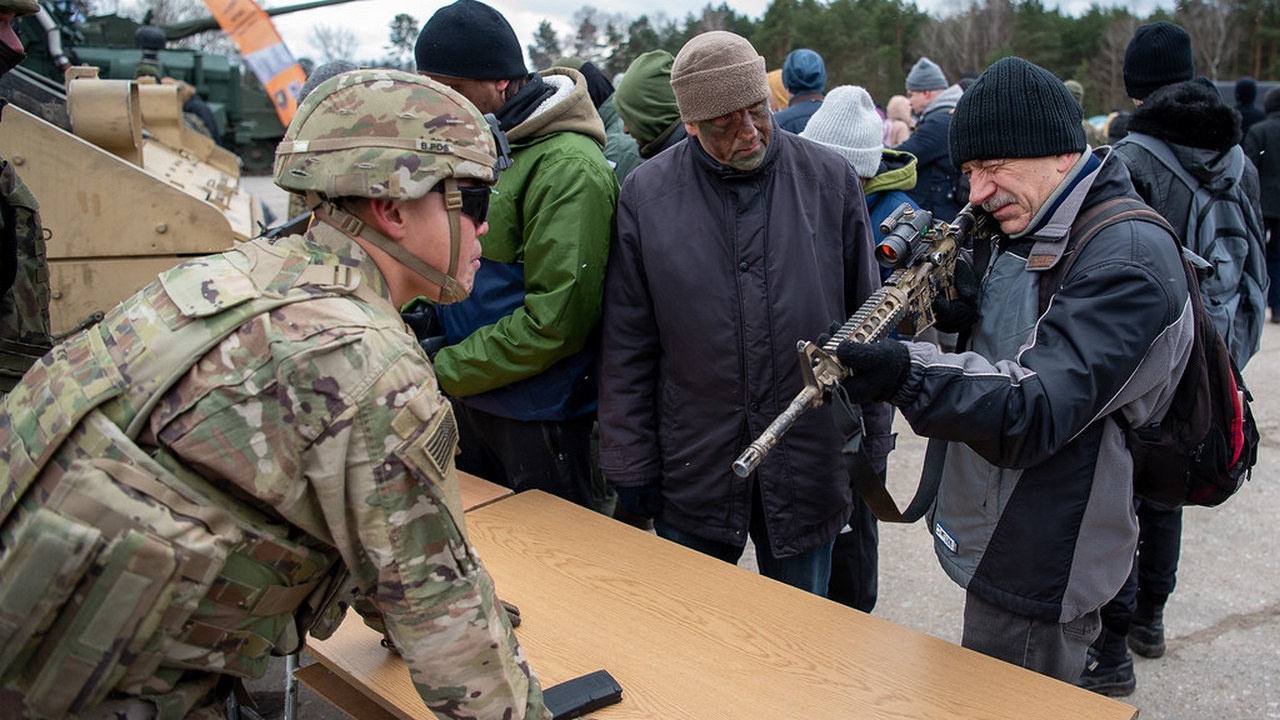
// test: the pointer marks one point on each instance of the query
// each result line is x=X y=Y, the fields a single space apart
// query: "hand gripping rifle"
x=922 y=254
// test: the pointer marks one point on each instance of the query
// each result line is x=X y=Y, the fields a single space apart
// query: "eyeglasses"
x=475 y=200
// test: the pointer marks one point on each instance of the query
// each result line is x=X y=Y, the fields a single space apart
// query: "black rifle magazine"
x=579 y=696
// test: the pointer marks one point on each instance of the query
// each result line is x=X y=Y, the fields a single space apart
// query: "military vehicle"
x=126 y=188
x=246 y=119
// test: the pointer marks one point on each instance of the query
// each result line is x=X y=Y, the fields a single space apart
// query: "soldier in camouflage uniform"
x=24 y=274
x=192 y=480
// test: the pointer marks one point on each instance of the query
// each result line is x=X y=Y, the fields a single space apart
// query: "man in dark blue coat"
x=938 y=187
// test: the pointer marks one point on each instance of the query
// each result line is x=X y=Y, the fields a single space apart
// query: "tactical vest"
x=121 y=570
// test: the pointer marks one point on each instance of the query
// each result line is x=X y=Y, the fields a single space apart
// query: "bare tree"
x=1215 y=32
x=969 y=40
x=333 y=42
x=1106 y=68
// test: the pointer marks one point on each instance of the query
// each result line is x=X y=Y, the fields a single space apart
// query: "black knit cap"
x=471 y=40
x=1158 y=54
x=1015 y=109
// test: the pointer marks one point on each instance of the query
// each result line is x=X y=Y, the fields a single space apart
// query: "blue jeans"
x=810 y=570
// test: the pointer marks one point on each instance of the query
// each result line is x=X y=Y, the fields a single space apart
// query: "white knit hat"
x=848 y=123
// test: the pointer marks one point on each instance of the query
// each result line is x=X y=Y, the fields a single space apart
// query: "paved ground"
x=1223 y=622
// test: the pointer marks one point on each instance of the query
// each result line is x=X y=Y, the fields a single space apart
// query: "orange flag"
x=264 y=50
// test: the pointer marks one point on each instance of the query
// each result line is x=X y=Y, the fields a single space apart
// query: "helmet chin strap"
x=450 y=289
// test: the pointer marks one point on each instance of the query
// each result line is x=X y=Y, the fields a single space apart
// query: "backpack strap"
x=1088 y=224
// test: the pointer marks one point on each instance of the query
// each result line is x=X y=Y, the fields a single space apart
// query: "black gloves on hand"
x=951 y=316
x=420 y=316
x=642 y=501
x=877 y=369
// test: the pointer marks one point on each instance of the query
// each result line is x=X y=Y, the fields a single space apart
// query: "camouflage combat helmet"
x=392 y=135
x=19 y=7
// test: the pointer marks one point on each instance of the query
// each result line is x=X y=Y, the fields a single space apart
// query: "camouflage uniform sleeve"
x=342 y=430
x=436 y=598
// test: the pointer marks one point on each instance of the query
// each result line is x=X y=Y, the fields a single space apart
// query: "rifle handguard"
x=924 y=255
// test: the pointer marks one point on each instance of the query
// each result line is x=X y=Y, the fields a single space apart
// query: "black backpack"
x=1206 y=445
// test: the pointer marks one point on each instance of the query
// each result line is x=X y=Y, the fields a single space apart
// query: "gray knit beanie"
x=716 y=73
x=322 y=73
x=848 y=123
x=1015 y=109
x=926 y=75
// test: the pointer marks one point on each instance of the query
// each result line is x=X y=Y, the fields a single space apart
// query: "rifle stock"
x=924 y=254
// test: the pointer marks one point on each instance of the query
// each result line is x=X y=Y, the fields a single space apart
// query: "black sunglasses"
x=475 y=200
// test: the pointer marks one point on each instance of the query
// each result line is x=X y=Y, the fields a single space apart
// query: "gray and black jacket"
x=1034 y=510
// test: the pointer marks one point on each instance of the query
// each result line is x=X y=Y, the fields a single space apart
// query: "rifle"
x=922 y=254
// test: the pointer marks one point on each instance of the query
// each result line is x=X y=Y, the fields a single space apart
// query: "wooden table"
x=688 y=636
x=477 y=492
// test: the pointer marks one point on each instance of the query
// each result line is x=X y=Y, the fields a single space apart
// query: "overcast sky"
x=370 y=20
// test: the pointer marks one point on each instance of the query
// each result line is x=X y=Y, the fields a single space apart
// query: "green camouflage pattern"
x=24 y=308
x=383 y=134
x=20 y=7
x=319 y=427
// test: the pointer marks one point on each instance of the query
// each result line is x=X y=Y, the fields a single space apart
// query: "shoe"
x=1112 y=681
x=1146 y=632
x=1109 y=670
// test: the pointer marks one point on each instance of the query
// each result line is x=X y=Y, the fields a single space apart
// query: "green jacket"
x=621 y=149
x=522 y=345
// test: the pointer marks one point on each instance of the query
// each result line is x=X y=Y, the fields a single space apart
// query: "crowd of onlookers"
x=606 y=281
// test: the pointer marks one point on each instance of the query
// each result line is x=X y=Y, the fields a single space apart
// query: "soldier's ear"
x=388 y=217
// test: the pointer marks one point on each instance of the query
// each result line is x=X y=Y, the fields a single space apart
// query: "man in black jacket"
x=732 y=245
x=1262 y=145
x=939 y=186
x=1201 y=131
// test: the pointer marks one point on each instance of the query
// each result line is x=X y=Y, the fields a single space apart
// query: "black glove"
x=877 y=369
x=951 y=316
x=642 y=501
x=420 y=316
x=832 y=329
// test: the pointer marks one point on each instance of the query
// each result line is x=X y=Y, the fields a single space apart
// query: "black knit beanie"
x=471 y=40
x=1158 y=54
x=1015 y=110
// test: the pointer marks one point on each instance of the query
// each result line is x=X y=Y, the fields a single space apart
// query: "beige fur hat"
x=716 y=73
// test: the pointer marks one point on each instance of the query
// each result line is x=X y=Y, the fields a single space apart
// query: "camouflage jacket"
x=24 y=279
x=325 y=415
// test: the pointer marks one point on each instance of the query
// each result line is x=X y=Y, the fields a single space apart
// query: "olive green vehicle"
x=246 y=118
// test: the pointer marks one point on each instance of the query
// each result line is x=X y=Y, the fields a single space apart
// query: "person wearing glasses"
x=519 y=357
x=732 y=245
